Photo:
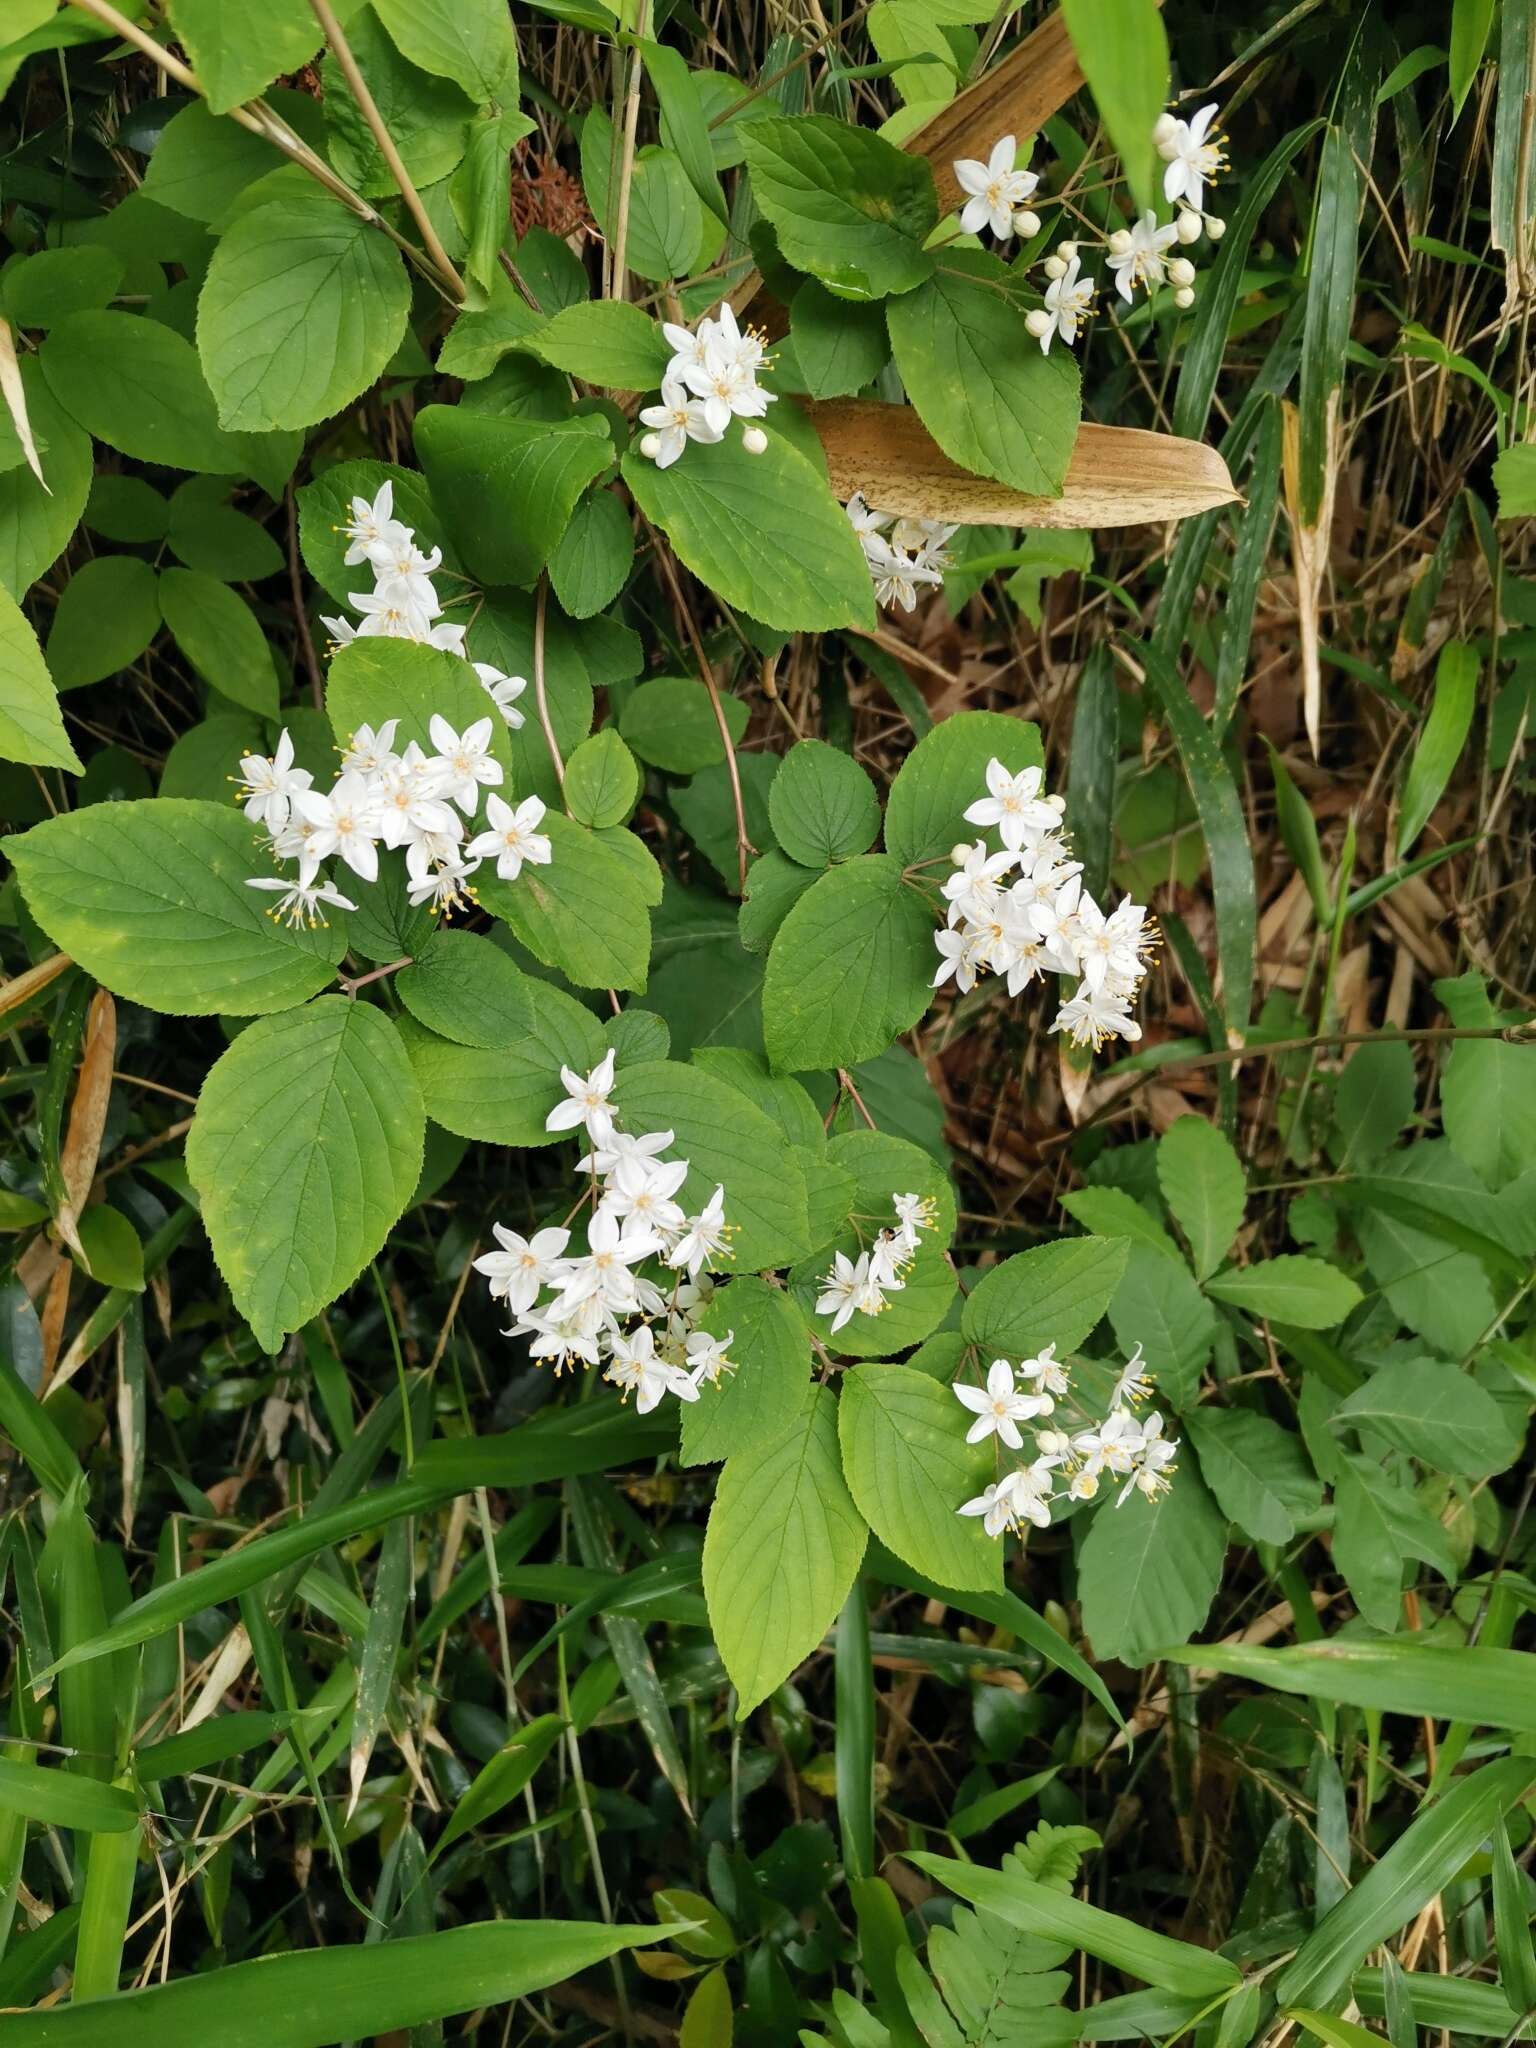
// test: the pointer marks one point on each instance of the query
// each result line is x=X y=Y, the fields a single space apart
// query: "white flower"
x=914 y=1215
x=863 y=519
x=706 y=1355
x=616 y=1146
x=844 y=1289
x=345 y=822
x=707 y=1236
x=563 y=1338
x=972 y=886
x=1113 y=1446
x=467 y=764
x=373 y=526
x=636 y=1368
x=1133 y=1384
x=889 y=1256
x=679 y=419
x=727 y=383
x=1193 y=154
x=996 y=1505
x=523 y=1264
x=960 y=955
x=1032 y=1493
x=1014 y=805
x=446 y=634
x=1068 y=300
x=389 y=614
x=340 y=630
x=1111 y=948
x=998 y=1407
x=299 y=902
x=1047 y=1371
x=1089 y=1018
x=512 y=836
x=603 y=1274
x=687 y=349
x=997 y=190
x=268 y=787
x=642 y=1191
x=371 y=752
x=897 y=577
x=443 y=885
x=409 y=806
x=503 y=691
x=1154 y=1463
x=1137 y=254
x=588 y=1100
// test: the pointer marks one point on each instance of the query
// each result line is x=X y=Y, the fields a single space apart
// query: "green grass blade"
x=1494 y=1688
x=1441 y=741
x=104 y=1909
x=854 y=1681
x=60 y=1799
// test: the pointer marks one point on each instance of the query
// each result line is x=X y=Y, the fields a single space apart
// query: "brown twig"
x=744 y=846
x=540 y=694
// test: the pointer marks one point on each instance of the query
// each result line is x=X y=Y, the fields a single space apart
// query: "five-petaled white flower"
x=1133 y=1384
x=677 y=420
x=1193 y=155
x=588 y=1100
x=299 y=902
x=997 y=1505
x=1068 y=301
x=512 y=836
x=998 y=191
x=844 y=1289
x=503 y=691
x=1013 y=804
x=1138 y=254
x=707 y=1237
x=345 y=822
x=268 y=787
x=466 y=761
x=520 y=1268
x=999 y=1407
x=636 y=1368
x=707 y=1358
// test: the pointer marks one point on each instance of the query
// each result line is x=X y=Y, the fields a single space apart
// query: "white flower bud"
x=1120 y=242
x=1054 y=267
x=1188 y=226
x=959 y=854
x=754 y=440
x=1066 y=251
x=1183 y=297
x=1215 y=226
x=1181 y=270
x=1026 y=224
x=1037 y=321
x=650 y=446
x=1162 y=131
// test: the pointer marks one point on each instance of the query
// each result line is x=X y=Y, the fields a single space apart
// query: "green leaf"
x=481 y=336
x=371 y=681
x=1257 y=1471
x=750 y=1409
x=666 y=219
x=1487 y=1099
x=51 y=283
x=1041 y=1909
x=202 y=163
x=994 y=403
x=305 y=1149
x=685 y=128
x=1148 y=1570
x=1457 y=674
x=1373 y=1101
x=318 y=1996
x=1436 y=1413
x=466 y=989
x=1514 y=481
x=502 y=1779
x=469 y=41
x=1204 y=1186
x=909 y=1468
x=149 y=896
x=1470 y=23
x=1444 y=1681
x=1309 y=1293
x=592 y=559
x=839 y=346
x=882 y=1167
x=822 y=804
x=669 y=722
x=137 y=385
x=126 y=508
x=36 y=523
x=781 y=1551
x=238 y=56
x=503 y=1093
x=728 y=1142
x=1111 y=1212
x=850 y=967
x=1333 y=2031
x=1419 y=1865
x=1054 y=1294
x=507 y=488
x=303 y=305
x=206 y=533
x=775 y=884
x=60 y=1799
x=218 y=633
x=1376 y=1525
x=848 y=207
x=945 y=773
x=325 y=507
x=427 y=118
x=1159 y=1306
x=585 y=912
x=607 y=342
x=762 y=531
x=602 y=781
x=31 y=724
x=1122 y=47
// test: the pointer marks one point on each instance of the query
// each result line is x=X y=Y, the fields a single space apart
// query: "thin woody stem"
x=350 y=984
x=368 y=107
x=541 y=696
x=744 y=846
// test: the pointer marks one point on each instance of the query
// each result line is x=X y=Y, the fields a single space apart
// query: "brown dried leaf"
x=1118 y=476
x=19 y=991
x=14 y=394
x=88 y=1115
x=1017 y=98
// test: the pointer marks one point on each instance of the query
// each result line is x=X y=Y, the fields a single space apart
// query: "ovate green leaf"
x=848 y=207
x=1148 y=1570
x=909 y=1468
x=850 y=967
x=31 y=725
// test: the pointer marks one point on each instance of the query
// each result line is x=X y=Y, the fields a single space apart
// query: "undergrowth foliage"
x=737 y=1141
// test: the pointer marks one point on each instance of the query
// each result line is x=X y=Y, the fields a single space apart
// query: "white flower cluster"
x=904 y=555
x=711 y=380
x=409 y=799
x=1122 y=1444
x=596 y=1305
x=1044 y=921
x=404 y=604
x=998 y=190
x=860 y=1286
